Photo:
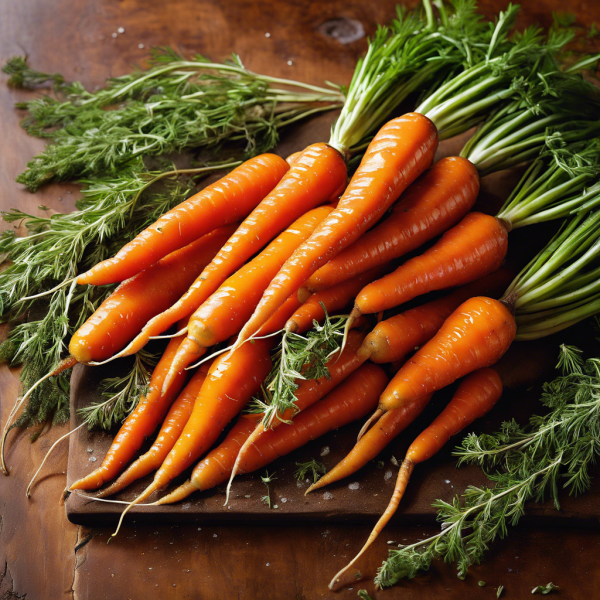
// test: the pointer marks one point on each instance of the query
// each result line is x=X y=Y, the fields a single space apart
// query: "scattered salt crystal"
x=140 y=46
x=267 y=35
x=388 y=475
x=325 y=451
x=327 y=496
x=394 y=461
x=447 y=481
x=121 y=30
x=214 y=535
x=247 y=496
x=326 y=533
x=186 y=505
x=289 y=63
x=299 y=484
x=93 y=459
x=284 y=500
x=90 y=450
x=354 y=486
x=199 y=528
x=114 y=35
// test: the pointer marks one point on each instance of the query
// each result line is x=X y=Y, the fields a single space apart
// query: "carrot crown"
x=404 y=58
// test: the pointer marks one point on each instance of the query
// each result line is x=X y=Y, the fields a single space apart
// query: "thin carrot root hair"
x=180 y=493
x=145 y=494
x=222 y=351
x=401 y=482
x=60 y=439
x=372 y=420
x=355 y=314
x=63 y=365
x=251 y=439
x=168 y=337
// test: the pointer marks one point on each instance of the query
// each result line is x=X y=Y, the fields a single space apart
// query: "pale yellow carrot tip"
x=372 y=420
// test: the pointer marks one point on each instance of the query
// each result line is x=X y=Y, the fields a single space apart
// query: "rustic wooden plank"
x=44 y=556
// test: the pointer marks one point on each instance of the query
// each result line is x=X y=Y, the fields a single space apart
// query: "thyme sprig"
x=316 y=469
x=299 y=357
x=531 y=463
x=122 y=394
x=174 y=104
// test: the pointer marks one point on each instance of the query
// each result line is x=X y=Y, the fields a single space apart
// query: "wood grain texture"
x=42 y=555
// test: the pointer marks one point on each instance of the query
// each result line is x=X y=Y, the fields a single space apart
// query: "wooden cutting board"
x=363 y=496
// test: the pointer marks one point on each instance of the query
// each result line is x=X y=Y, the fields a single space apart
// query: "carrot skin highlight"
x=402 y=150
x=141 y=423
x=432 y=204
x=475 y=396
x=476 y=335
x=334 y=299
x=231 y=382
x=173 y=425
x=391 y=340
x=229 y=199
x=349 y=401
x=317 y=176
x=475 y=247
x=125 y=312
x=389 y=426
x=226 y=311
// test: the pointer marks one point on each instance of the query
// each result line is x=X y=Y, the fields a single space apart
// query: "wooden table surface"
x=42 y=555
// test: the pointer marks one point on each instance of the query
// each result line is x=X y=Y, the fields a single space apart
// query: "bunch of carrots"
x=276 y=246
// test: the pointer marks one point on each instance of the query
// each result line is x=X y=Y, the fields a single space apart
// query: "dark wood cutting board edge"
x=437 y=479
x=373 y=485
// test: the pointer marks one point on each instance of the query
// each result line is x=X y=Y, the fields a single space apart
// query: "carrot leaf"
x=313 y=467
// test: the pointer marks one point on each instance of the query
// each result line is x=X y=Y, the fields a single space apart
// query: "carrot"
x=474 y=336
x=432 y=204
x=223 y=202
x=231 y=382
x=475 y=396
x=123 y=314
x=224 y=313
x=173 y=425
x=373 y=441
x=475 y=247
x=308 y=392
x=317 y=176
x=332 y=299
x=402 y=149
x=350 y=400
x=149 y=412
x=391 y=340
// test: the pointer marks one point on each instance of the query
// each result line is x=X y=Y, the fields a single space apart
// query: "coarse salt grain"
x=354 y=486
x=388 y=475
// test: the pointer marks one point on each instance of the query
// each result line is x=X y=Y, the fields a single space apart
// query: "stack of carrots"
x=276 y=246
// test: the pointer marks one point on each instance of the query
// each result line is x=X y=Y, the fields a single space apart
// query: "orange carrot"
x=349 y=401
x=317 y=176
x=374 y=441
x=141 y=423
x=225 y=201
x=308 y=392
x=476 y=395
x=474 y=336
x=475 y=247
x=173 y=425
x=391 y=340
x=231 y=382
x=224 y=313
x=432 y=204
x=402 y=149
x=123 y=314
x=333 y=299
